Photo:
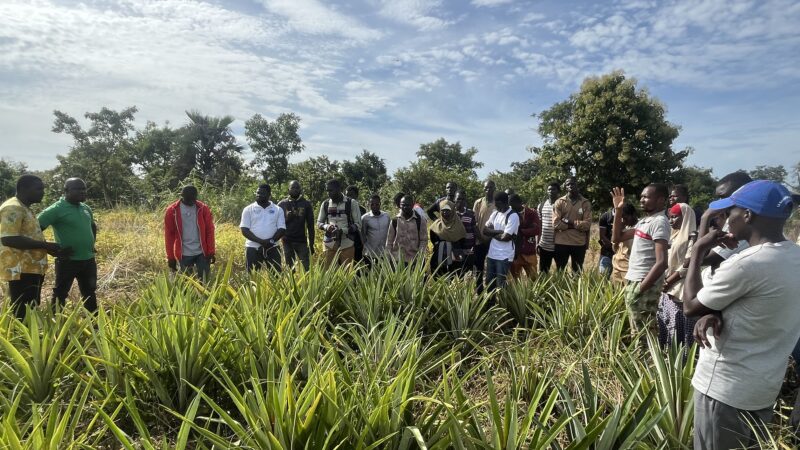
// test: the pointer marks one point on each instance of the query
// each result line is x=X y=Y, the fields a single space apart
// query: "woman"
x=622 y=249
x=672 y=324
x=447 y=236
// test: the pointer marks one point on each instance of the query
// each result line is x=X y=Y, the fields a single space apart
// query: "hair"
x=515 y=198
x=501 y=197
x=374 y=196
x=191 y=187
x=27 y=181
x=681 y=189
x=452 y=182
x=265 y=186
x=397 y=197
x=409 y=197
x=334 y=182
x=628 y=209
x=661 y=189
x=462 y=193
x=353 y=187
x=735 y=179
x=555 y=184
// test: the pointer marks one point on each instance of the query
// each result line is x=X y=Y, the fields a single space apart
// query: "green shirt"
x=72 y=226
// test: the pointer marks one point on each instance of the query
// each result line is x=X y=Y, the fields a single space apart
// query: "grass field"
x=333 y=359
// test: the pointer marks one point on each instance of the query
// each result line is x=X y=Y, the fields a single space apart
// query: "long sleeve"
x=209 y=218
x=423 y=236
x=355 y=213
x=170 y=234
x=585 y=222
x=390 y=238
x=558 y=214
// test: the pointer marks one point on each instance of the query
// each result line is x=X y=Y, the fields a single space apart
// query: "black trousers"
x=575 y=253
x=256 y=258
x=68 y=271
x=545 y=260
x=25 y=291
x=481 y=250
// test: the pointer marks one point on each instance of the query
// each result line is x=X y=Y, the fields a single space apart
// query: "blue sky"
x=387 y=75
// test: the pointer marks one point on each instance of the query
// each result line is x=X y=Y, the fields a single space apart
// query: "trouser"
x=718 y=426
x=85 y=272
x=604 y=266
x=341 y=256
x=496 y=273
x=526 y=263
x=358 y=248
x=466 y=265
x=642 y=306
x=196 y=264
x=25 y=291
x=575 y=253
x=293 y=251
x=255 y=258
x=481 y=250
x=545 y=259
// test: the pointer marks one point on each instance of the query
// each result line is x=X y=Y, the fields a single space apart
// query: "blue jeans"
x=604 y=266
x=196 y=264
x=496 y=272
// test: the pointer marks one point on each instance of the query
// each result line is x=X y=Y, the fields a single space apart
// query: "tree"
x=312 y=174
x=610 y=134
x=9 y=172
x=210 y=149
x=368 y=171
x=774 y=173
x=426 y=182
x=701 y=184
x=446 y=156
x=153 y=155
x=100 y=154
x=272 y=143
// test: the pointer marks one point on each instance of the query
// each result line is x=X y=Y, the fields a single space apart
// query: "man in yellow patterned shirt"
x=23 y=250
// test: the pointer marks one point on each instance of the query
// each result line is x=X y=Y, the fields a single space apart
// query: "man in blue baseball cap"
x=751 y=308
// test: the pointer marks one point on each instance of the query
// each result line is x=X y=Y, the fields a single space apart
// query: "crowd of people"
x=725 y=277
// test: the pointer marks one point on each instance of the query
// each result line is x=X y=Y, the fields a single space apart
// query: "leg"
x=502 y=268
x=273 y=258
x=347 y=255
x=203 y=267
x=480 y=265
x=604 y=266
x=187 y=264
x=530 y=263
x=721 y=426
x=87 y=283
x=66 y=270
x=517 y=266
x=491 y=274
x=329 y=255
x=302 y=252
x=561 y=255
x=545 y=260
x=25 y=291
x=289 y=253
x=577 y=254
x=252 y=257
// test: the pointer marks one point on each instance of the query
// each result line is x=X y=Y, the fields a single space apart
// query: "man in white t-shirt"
x=263 y=225
x=751 y=305
x=501 y=228
x=648 y=259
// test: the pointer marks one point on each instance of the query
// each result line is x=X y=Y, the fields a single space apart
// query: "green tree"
x=209 y=147
x=446 y=156
x=368 y=171
x=610 y=134
x=701 y=184
x=9 y=172
x=774 y=173
x=312 y=174
x=272 y=143
x=100 y=154
x=153 y=155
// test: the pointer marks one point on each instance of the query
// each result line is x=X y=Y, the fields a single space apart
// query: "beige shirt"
x=407 y=238
x=580 y=213
x=483 y=210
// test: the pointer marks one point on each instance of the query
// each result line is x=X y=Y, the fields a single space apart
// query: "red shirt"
x=530 y=228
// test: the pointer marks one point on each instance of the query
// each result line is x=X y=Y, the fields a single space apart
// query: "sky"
x=388 y=75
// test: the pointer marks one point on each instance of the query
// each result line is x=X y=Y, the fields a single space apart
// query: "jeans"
x=496 y=273
x=545 y=259
x=564 y=253
x=196 y=263
x=85 y=272
x=255 y=258
x=293 y=251
x=25 y=291
x=604 y=266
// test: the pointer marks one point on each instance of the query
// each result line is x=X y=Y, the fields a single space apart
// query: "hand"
x=52 y=248
x=713 y=238
x=618 y=197
x=212 y=258
x=538 y=250
x=667 y=284
x=173 y=265
x=712 y=321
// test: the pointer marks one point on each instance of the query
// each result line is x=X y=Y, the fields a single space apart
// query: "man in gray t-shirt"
x=374 y=229
x=648 y=259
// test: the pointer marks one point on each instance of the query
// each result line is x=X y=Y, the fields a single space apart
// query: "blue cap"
x=763 y=197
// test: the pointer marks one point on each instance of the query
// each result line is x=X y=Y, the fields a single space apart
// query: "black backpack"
x=347 y=208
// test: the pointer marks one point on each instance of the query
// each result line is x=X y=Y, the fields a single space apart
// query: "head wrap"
x=450 y=230
x=679 y=244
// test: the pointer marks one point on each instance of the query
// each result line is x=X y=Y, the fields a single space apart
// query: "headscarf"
x=451 y=230
x=679 y=242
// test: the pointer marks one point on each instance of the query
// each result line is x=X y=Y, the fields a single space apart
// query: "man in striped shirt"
x=547 y=246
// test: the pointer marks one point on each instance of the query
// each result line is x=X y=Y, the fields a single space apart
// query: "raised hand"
x=617 y=197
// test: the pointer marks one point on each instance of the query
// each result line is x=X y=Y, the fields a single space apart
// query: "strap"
x=325 y=208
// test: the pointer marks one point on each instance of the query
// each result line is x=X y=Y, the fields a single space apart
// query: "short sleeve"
x=661 y=230
x=730 y=283
x=245 y=222
x=48 y=217
x=512 y=225
x=281 y=218
x=11 y=218
x=604 y=220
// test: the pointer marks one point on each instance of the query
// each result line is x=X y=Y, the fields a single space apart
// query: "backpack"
x=419 y=225
x=347 y=207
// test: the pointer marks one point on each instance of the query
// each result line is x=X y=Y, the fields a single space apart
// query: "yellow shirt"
x=16 y=219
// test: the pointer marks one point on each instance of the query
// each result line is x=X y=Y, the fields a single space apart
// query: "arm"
x=423 y=233
x=584 y=223
x=390 y=237
x=432 y=210
x=249 y=235
x=511 y=228
x=281 y=226
x=692 y=307
x=355 y=214
x=210 y=235
x=558 y=223
x=658 y=268
x=170 y=235
x=530 y=228
x=310 y=227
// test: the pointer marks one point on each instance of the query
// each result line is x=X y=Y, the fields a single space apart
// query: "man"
x=74 y=227
x=374 y=230
x=648 y=259
x=572 y=221
x=339 y=217
x=417 y=208
x=547 y=247
x=468 y=220
x=407 y=239
x=189 y=234
x=358 y=244
x=484 y=208
x=606 y=223
x=751 y=308
x=263 y=225
x=725 y=188
x=298 y=241
x=501 y=227
x=525 y=245
x=680 y=194
x=23 y=250
x=450 y=190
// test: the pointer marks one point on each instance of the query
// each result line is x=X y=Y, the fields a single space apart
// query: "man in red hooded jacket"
x=189 y=234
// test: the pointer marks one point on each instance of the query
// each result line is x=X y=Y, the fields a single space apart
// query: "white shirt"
x=263 y=222
x=499 y=250
x=756 y=290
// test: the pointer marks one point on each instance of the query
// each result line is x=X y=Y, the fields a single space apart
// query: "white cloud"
x=491 y=3
x=417 y=13
x=312 y=16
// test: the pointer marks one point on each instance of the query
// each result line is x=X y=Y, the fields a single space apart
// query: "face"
x=461 y=202
x=375 y=205
x=334 y=191
x=189 y=196
x=571 y=186
x=75 y=191
x=263 y=195
x=35 y=193
x=673 y=198
x=295 y=190
x=675 y=221
x=500 y=206
x=553 y=191
x=516 y=206
x=447 y=214
x=489 y=188
x=738 y=223
x=406 y=206
x=649 y=201
x=352 y=193
x=450 y=189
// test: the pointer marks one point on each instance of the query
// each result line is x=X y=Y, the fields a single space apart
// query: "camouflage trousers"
x=642 y=306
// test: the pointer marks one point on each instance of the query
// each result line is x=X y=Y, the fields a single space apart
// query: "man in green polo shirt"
x=74 y=227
